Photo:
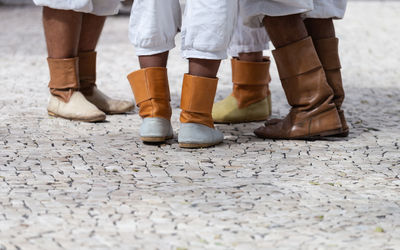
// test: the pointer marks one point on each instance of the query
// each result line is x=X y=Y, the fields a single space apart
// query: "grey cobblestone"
x=71 y=185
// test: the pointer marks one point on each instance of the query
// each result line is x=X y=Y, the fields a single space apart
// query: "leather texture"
x=108 y=105
x=250 y=81
x=64 y=78
x=194 y=135
x=328 y=52
x=313 y=112
x=197 y=99
x=151 y=90
x=77 y=108
x=87 y=71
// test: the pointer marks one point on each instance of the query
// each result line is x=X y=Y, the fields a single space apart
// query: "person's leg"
x=313 y=113
x=250 y=99
x=92 y=26
x=323 y=34
x=62 y=29
x=153 y=27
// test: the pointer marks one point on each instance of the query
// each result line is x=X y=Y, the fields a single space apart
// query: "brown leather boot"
x=328 y=53
x=87 y=75
x=313 y=113
x=65 y=100
x=197 y=126
x=151 y=90
x=251 y=98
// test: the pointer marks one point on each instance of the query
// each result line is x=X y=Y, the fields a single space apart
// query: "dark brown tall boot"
x=328 y=53
x=313 y=112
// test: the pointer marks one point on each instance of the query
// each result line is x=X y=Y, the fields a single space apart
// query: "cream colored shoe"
x=77 y=108
x=228 y=111
x=107 y=104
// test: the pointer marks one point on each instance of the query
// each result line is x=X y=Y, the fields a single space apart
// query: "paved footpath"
x=72 y=185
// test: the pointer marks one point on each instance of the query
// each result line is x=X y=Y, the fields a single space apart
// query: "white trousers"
x=327 y=9
x=96 y=7
x=253 y=11
x=207 y=27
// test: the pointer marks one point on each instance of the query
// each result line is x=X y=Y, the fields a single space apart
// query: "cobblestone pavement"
x=72 y=185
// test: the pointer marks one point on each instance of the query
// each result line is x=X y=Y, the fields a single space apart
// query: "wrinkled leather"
x=87 y=71
x=197 y=99
x=313 y=112
x=250 y=81
x=151 y=90
x=328 y=52
x=64 y=78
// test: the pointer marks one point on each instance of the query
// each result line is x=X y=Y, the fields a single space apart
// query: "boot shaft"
x=151 y=90
x=87 y=71
x=64 y=78
x=250 y=81
x=197 y=99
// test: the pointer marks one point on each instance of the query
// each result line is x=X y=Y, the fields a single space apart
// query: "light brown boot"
x=87 y=75
x=328 y=53
x=313 y=112
x=197 y=126
x=251 y=98
x=65 y=99
x=151 y=90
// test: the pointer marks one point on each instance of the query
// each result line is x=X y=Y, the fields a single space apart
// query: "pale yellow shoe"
x=107 y=104
x=77 y=108
x=228 y=111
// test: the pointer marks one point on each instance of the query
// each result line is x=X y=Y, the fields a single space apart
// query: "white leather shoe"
x=194 y=135
x=156 y=129
x=107 y=104
x=78 y=108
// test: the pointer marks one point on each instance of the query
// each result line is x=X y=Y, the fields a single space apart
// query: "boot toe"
x=194 y=135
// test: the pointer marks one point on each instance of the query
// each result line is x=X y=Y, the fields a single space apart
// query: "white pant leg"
x=208 y=27
x=327 y=9
x=154 y=25
x=253 y=11
x=96 y=7
x=246 y=39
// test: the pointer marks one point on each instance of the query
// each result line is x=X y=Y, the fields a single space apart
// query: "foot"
x=78 y=108
x=156 y=130
x=228 y=111
x=194 y=135
x=108 y=105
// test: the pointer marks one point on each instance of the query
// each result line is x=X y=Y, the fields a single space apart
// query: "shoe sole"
x=155 y=139
x=243 y=121
x=94 y=119
x=197 y=145
x=316 y=136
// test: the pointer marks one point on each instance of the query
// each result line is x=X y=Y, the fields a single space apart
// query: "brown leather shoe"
x=328 y=53
x=313 y=113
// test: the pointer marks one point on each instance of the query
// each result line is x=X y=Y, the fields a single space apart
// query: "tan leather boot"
x=87 y=75
x=251 y=98
x=65 y=99
x=151 y=90
x=328 y=53
x=197 y=126
x=313 y=112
